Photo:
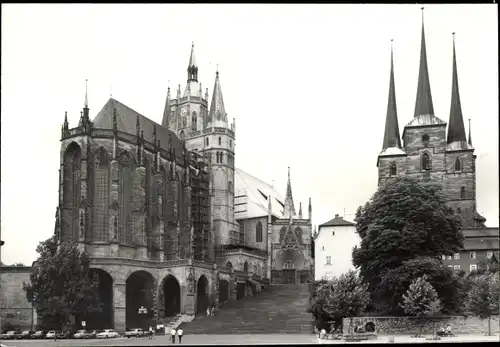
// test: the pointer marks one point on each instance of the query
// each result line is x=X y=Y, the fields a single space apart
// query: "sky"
x=306 y=84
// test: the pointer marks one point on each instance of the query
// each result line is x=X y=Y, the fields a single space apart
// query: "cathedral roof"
x=257 y=195
x=336 y=222
x=126 y=120
x=425 y=119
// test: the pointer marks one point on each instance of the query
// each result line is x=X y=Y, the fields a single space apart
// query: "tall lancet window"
x=457 y=165
x=393 y=169
x=462 y=192
x=426 y=161
x=194 y=122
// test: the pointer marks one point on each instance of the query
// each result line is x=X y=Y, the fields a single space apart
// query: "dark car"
x=26 y=334
x=11 y=335
x=64 y=334
x=39 y=334
x=91 y=334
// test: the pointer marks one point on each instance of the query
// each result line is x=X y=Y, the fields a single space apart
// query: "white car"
x=50 y=334
x=80 y=334
x=107 y=333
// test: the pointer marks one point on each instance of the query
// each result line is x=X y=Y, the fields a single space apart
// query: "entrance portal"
x=139 y=300
x=223 y=291
x=171 y=291
x=202 y=295
x=102 y=319
x=289 y=276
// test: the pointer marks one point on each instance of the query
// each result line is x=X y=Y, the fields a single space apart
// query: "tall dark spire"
x=470 y=135
x=217 y=110
x=289 y=210
x=166 y=111
x=423 y=103
x=391 y=134
x=192 y=67
x=456 y=128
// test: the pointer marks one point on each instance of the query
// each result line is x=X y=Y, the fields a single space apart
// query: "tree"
x=403 y=220
x=61 y=287
x=421 y=299
x=395 y=282
x=317 y=302
x=484 y=296
x=347 y=297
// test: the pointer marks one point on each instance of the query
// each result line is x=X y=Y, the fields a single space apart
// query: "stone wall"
x=14 y=307
x=410 y=325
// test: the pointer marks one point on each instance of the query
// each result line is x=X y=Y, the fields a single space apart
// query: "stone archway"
x=202 y=295
x=223 y=291
x=102 y=319
x=171 y=291
x=140 y=300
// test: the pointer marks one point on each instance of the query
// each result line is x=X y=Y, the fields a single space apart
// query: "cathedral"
x=428 y=152
x=154 y=207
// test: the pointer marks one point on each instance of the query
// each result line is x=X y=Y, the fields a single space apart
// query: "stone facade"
x=410 y=325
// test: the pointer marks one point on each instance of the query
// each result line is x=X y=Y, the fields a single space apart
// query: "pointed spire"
x=166 y=110
x=269 y=209
x=423 y=103
x=192 y=67
x=66 y=119
x=470 y=135
x=178 y=93
x=456 y=128
x=217 y=112
x=86 y=103
x=289 y=210
x=300 y=210
x=391 y=134
x=310 y=209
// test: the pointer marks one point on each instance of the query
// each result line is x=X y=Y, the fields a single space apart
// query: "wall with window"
x=391 y=166
x=333 y=250
x=255 y=232
x=468 y=260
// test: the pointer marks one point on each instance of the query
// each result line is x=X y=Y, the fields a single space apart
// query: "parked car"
x=107 y=333
x=39 y=334
x=51 y=334
x=64 y=334
x=91 y=334
x=26 y=334
x=10 y=335
x=80 y=334
x=137 y=332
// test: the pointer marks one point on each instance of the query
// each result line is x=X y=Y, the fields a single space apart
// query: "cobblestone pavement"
x=275 y=339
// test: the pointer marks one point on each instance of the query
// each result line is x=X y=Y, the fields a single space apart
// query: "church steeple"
x=217 y=114
x=192 y=67
x=423 y=103
x=86 y=103
x=289 y=210
x=470 y=135
x=166 y=111
x=456 y=128
x=391 y=134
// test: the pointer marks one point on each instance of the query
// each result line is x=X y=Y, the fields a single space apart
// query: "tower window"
x=457 y=165
x=426 y=161
x=462 y=192
x=217 y=157
x=221 y=157
x=258 y=232
x=230 y=143
x=425 y=138
x=393 y=169
x=220 y=141
x=207 y=141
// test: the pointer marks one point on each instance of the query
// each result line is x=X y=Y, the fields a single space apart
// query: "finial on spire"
x=65 y=116
x=86 y=104
x=217 y=70
x=289 y=172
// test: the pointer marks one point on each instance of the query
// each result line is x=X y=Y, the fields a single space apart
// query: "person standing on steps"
x=179 y=334
x=172 y=332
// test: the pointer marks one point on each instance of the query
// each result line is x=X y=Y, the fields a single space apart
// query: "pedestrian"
x=172 y=332
x=150 y=332
x=179 y=334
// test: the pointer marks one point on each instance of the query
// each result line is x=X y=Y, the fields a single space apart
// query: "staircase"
x=278 y=309
x=174 y=322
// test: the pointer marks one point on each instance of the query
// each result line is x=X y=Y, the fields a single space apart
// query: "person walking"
x=179 y=334
x=150 y=332
x=173 y=332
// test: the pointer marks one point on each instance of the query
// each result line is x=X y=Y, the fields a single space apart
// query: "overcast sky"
x=307 y=85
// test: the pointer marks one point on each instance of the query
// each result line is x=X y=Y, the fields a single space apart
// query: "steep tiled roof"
x=423 y=103
x=126 y=120
x=257 y=193
x=485 y=232
x=337 y=221
x=456 y=128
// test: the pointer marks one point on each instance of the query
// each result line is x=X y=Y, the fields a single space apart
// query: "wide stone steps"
x=277 y=309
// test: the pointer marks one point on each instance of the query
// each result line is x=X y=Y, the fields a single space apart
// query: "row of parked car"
x=54 y=334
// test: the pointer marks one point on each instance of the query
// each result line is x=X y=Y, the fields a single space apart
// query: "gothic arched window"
x=258 y=232
x=462 y=192
x=426 y=161
x=207 y=141
x=220 y=140
x=194 y=121
x=217 y=157
x=393 y=170
x=457 y=165
x=230 y=186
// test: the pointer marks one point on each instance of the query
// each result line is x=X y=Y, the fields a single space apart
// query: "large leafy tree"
x=484 y=296
x=347 y=297
x=404 y=219
x=317 y=302
x=61 y=287
x=395 y=282
x=421 y=299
